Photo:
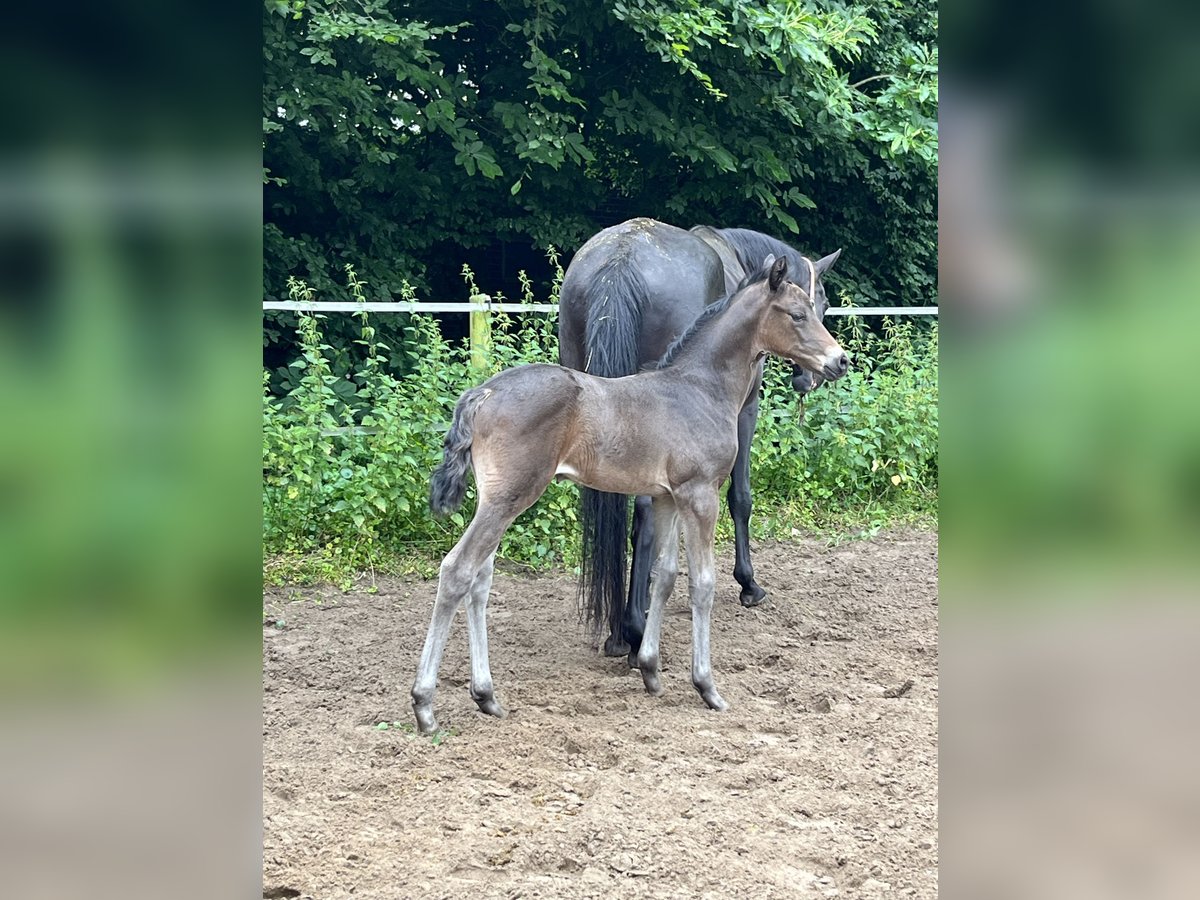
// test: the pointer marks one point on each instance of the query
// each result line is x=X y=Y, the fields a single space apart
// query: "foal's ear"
x=778 y=273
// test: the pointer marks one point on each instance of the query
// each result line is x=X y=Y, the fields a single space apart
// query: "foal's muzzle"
x=836 y=367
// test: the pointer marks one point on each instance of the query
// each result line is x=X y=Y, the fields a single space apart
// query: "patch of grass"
x=438 y=738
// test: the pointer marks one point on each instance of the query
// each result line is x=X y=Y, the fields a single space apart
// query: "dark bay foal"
x=670 y=433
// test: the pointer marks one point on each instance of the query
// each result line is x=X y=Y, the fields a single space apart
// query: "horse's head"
x=804 y=381
x=792 y=327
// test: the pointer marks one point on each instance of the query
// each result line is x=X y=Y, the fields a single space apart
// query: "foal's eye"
x=799 y=317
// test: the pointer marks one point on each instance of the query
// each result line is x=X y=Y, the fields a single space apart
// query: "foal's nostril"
x=843 y=364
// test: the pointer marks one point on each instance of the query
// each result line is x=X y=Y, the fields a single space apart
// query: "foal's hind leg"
x=455 y=579
x=481 y=674
x=453 y=584
x=460 y=571
x=740 y=505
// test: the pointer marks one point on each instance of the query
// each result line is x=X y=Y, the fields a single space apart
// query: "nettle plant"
x=872 y=438
x=347 y=458
x=346 y=470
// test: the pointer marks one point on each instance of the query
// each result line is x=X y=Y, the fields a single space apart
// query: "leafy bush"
x=871 y=437
x=347 y=459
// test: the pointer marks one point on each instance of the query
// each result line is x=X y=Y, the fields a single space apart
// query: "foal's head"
x=810 y=273
x=792 y=328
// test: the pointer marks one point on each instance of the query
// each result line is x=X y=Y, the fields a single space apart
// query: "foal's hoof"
x=651 y=676
x=753 y=596
x=492 y=707
x=652 y=683
x=615 y=646
x=714 y=701
x=426 y=723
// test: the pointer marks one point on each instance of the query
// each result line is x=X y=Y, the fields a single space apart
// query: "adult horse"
x=670 y=433
x=628 y=293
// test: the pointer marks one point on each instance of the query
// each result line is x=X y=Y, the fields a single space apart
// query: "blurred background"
x=130 y=266
x=1070 y=274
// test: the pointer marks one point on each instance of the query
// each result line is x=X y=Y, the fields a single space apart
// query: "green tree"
x=397 y=133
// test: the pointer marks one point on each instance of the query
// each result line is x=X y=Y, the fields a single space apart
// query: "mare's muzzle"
x=804 y=381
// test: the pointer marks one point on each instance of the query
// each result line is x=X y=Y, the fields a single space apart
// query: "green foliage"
x=347 y=459
x=871 y=438
x=391 y=129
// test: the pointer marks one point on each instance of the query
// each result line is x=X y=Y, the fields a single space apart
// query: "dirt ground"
x=814 y=783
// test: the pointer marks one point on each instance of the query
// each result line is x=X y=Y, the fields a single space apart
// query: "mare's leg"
x=481 y=673
x=662 y=583
x=698 y=512
x=633 y=622
x=740 y=504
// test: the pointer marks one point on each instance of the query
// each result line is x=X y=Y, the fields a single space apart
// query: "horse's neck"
x=723 y=358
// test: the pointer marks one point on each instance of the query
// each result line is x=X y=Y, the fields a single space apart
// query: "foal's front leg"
x=662 y=583
x=699 y=523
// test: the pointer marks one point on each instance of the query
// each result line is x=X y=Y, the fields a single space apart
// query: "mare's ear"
x=825 y=263
x=778 y=273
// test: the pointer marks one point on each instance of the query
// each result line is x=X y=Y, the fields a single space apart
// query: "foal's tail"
x=448 y=485
x=614 y=317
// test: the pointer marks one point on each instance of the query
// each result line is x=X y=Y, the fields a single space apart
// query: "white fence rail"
x=407 y=306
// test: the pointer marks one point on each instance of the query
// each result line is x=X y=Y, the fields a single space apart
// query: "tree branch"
x=858 y=84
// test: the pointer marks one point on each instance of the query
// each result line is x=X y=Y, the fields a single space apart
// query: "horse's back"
x=680 y=273
x=533 y=396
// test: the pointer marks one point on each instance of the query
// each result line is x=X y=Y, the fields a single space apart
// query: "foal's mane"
x=707 y=315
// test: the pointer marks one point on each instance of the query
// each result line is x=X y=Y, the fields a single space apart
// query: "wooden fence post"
x=480 y=334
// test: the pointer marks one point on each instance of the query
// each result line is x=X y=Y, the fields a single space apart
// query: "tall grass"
x=346 y=466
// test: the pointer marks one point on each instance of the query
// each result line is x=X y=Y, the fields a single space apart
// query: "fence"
x=408 y=306
x=481 y=306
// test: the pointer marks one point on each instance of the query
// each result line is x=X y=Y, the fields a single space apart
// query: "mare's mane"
x=752 y=247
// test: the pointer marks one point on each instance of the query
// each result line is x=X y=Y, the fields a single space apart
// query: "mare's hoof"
x=616 y=647
x=753 y=596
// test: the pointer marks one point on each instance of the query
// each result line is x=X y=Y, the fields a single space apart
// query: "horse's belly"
x=614 y=478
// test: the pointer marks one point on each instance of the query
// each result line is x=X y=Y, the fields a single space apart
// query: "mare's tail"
x=614 y=314
x=448 y=485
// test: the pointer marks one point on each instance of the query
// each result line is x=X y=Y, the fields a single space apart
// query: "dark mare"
x=629 y=292
x=670 y=433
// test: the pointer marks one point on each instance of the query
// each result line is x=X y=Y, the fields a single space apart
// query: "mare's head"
x=791 y=325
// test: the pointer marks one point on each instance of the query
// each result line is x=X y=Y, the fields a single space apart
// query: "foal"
x=670 y=433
